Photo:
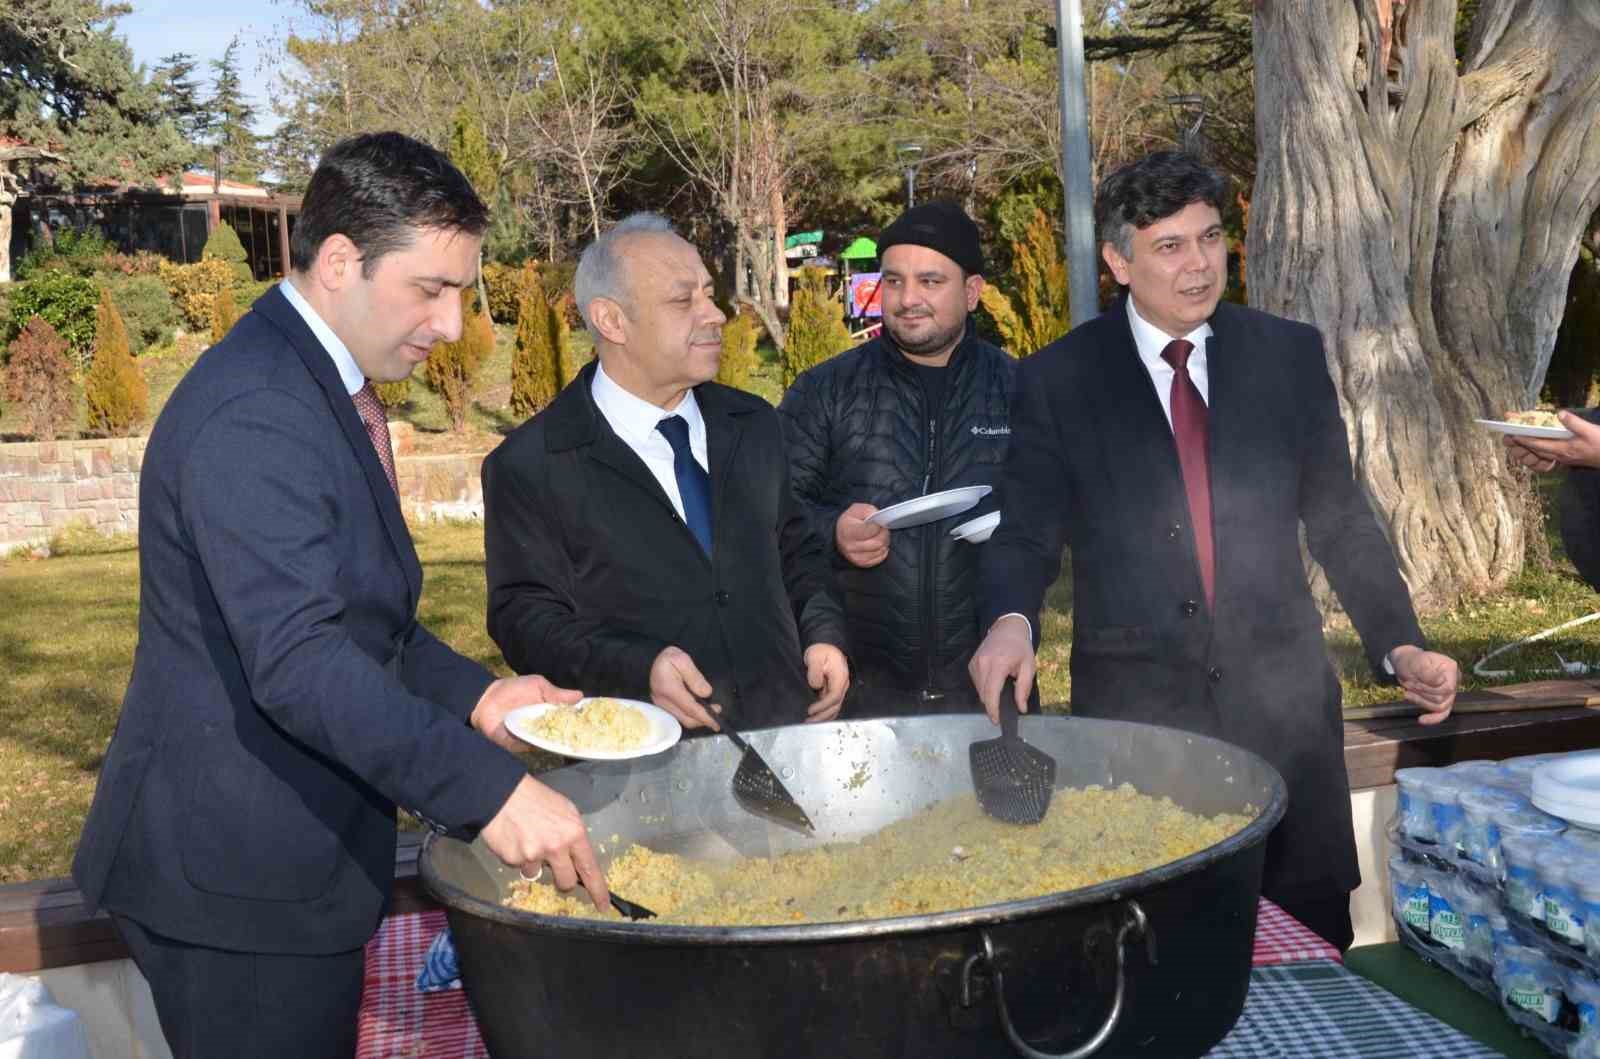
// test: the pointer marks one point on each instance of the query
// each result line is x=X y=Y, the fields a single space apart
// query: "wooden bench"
x=43 y=924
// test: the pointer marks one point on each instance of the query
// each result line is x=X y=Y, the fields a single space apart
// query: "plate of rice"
x=1533 y=423
x=596 y=729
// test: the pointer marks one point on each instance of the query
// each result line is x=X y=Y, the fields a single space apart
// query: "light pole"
x=1083 y=270
x=910 y=157
x=1188 y=115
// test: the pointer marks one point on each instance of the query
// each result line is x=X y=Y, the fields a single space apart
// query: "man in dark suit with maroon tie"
x=1177 y=444
x=284 y=696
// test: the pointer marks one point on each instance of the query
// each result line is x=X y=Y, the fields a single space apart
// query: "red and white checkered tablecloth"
x=398 y=1021
x=1280 y=938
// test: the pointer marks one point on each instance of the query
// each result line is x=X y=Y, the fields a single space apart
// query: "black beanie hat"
x=941 y=226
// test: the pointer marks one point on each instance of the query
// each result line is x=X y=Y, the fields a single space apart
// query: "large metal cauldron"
x=1153 y=965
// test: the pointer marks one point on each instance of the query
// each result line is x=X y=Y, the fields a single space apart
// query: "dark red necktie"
x=1189 y=431
x=376 y=420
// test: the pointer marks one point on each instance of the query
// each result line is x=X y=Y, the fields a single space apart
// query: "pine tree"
x=179 y=95
x=453 y=367
x=816 y=326
x=235 y=147
x=536 y=360
x=114 y=392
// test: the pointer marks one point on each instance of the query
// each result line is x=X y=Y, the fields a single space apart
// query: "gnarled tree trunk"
x=1425 y=216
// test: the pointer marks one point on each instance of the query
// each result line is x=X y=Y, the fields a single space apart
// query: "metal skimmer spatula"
x=1013 y=781
x=758 y=789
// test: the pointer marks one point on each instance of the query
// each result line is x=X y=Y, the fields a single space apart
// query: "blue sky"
x=203 y=28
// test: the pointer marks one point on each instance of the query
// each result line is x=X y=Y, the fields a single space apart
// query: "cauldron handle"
x=1134 y=924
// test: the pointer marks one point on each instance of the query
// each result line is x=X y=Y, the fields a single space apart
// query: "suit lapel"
x=723 y=433
x=320 y=364
x=1229 y=448
x=1132 y=420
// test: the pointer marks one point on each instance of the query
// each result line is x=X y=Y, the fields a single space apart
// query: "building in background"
x=171 y=222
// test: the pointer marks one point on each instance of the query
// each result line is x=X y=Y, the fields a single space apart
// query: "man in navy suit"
x=1178 y=444
x=284 y=698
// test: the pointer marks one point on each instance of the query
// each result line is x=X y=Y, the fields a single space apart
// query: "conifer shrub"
x=146 y=308
x=223 y=245
x=816 y=326
x=739 y=337
x=452 y=367
x=39 y=378
x=115 y=396
x=224 y=314
x=536 y=358
x=394 y=394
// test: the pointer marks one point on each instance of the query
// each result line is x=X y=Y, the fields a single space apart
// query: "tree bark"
x=1425 y=218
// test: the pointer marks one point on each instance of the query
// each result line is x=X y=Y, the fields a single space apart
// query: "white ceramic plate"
x=1518 y=430
x=977 y=530
x=664 y=731
x=930 y=507
x=1569 y=787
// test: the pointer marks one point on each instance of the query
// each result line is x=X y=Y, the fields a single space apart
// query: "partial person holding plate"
x=1578 y=503
x=890 y=445
x=1534 y=423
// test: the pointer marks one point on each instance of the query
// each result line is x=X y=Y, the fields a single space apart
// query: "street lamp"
x=910 y=155
x=1188 y=115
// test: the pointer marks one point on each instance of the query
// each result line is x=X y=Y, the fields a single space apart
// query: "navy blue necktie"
x=694 y=484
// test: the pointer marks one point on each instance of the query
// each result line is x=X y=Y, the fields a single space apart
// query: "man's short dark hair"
x=377 y=189
x=1158 y=185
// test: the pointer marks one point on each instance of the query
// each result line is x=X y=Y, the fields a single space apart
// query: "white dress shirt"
x=634 y=419
x=349 y=371
x=1150 y=340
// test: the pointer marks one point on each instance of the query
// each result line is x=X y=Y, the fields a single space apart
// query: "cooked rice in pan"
x=949 y=857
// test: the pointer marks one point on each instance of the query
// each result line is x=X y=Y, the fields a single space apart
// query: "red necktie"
x=376 y=420
x=1189 y=431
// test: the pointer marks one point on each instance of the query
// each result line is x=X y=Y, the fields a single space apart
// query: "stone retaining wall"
x=47 y=486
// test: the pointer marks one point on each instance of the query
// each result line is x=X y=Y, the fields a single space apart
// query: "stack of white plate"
x=977 y=530
x=1569 y=787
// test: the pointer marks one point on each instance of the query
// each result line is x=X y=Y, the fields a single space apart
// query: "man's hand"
x=1006 y=652
x=538 y=826
x=505 y=695
x=677 y=686
x=1429 y=680
x=828 y=673
x=862 y=543
x=1546 y=454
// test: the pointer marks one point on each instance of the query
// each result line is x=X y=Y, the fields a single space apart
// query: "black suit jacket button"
x=1188 y=608
x=1173 y=531
x=1214 y=675
x=722 y=597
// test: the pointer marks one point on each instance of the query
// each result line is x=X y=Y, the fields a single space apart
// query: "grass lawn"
x=68 y=628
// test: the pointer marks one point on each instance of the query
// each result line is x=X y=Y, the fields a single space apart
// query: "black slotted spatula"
x=1013 y=781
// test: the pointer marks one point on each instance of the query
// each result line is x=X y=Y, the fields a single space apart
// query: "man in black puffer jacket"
x=922 y=408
